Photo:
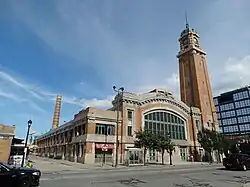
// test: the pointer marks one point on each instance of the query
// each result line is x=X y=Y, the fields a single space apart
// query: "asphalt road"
x=189 y=177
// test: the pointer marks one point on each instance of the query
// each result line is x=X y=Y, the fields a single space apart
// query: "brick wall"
x=6 y=135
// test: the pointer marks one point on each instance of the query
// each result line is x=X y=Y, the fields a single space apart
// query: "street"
x=177 y=177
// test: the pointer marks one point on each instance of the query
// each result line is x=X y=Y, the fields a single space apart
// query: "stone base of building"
x=91 y=154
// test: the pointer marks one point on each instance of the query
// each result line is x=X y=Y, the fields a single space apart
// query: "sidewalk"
x=47 y=165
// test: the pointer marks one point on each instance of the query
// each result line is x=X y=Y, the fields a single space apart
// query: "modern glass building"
x=233 y=111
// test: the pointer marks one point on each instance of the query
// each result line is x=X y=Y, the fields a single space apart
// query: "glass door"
x=183 y=154
x=152 y=155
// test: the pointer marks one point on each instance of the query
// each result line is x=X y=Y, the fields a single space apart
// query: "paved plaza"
x=207 y=176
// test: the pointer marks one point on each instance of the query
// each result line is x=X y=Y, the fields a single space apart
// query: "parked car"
x=19 y=177
x=237 y=161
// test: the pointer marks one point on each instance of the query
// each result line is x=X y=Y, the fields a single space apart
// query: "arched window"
x=165 y=123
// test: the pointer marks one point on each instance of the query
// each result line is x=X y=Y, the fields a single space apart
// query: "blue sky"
x=81 y=48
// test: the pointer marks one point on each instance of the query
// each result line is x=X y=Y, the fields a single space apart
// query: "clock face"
x=185 y=41
x=196 y=41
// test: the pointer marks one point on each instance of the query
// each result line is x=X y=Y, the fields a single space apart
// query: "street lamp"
x=119 y=91
x=170 y=151
x=26 y=142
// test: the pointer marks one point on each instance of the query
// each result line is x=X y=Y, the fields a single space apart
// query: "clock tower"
x=195 y=84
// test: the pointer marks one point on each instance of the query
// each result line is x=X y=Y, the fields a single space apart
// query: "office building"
x=233 y=111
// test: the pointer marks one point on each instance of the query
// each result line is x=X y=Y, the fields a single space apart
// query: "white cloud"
x=98 y=103
x=135 y=49
x=234 y=74
x=6 y=77
x=171 y=84
x=85 y=29
x=22 y=92
x=8 y=95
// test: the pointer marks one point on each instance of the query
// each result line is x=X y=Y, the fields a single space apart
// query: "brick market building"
x=81 y=139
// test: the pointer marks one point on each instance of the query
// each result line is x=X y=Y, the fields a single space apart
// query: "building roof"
x=157 y=93
x=244 y=88
x=7 y=130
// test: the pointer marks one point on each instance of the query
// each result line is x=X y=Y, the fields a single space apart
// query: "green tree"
x=162 y=145
x=145 y=140
x=206 y=140
x=229 y=145
x=218 y=142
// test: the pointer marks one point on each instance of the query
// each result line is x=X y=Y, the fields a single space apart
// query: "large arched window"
x=165 y=123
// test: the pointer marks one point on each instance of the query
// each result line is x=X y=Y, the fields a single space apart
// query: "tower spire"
x=187 y=25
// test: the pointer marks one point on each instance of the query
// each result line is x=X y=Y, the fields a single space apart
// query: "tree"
x=217 y=143
x=206 y=140
x=223 y=144
x=229 y=145
x=145 y=140
x=161 y=144
x=170 y=149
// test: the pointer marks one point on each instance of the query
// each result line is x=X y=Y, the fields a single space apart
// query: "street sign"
x=104 y=147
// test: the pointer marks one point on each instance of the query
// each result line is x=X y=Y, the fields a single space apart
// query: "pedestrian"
x=29 y=164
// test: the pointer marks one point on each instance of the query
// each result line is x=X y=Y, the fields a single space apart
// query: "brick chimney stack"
x=56 y=117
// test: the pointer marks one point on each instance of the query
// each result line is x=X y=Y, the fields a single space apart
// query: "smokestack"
x=56 y=117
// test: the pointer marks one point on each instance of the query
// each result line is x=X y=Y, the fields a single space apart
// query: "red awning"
x=100 y=146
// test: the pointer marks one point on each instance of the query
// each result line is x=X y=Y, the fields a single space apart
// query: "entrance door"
x=135 y=157
x=183 y=154
x=152 y=155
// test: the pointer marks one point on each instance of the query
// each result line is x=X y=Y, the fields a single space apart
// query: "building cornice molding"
x=191 y=50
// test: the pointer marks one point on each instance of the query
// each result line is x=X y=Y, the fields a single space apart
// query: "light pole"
x=170 y=151
x=194 y=128
x=26 y=141
x=119 y=91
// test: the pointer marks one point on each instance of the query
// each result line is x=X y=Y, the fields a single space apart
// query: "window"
x=236 y=96
x=229 y=121
x=225 y=107
x=165 y=123
x=218 y=115
x=197 y=123
x=219 y=122
x=105 y=129
x=220 y=128
x=215 y=101
x=245 y=127
x=130 y=115
x=247 y=102
x=217 y=108
x=130 y=131
x=230 y=129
